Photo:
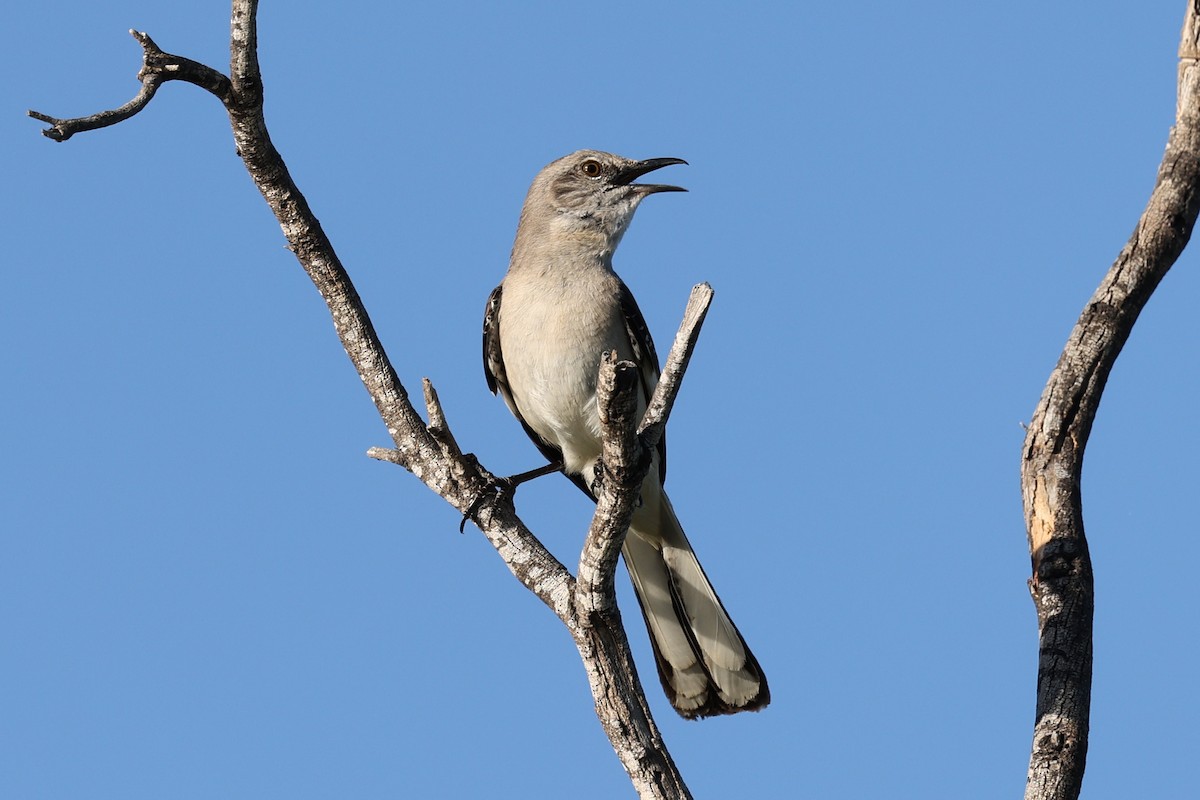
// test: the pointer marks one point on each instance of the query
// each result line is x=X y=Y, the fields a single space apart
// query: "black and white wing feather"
x=642 y=346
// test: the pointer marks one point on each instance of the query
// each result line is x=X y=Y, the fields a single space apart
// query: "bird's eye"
x=591 y=168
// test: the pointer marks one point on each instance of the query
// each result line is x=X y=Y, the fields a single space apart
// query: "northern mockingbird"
x=559 y=308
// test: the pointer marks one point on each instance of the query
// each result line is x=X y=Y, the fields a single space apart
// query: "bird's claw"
x=494 y=487
x=599 y=476
x=503 y=486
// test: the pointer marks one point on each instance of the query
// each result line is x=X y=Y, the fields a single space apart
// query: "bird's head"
x=592 y=192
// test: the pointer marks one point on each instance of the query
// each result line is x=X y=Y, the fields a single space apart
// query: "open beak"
x=637 y=169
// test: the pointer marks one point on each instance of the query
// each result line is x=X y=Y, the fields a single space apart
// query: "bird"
x=559 y=307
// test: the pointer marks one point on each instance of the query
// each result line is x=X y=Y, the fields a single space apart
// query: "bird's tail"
x=704 y=664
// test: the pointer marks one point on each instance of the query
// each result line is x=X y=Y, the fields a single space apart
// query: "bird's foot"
x=494 y=487
x=599 y=477
x=500 y=487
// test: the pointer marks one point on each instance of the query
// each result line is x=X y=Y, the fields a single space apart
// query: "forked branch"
x=429 y=451
x=157 y=68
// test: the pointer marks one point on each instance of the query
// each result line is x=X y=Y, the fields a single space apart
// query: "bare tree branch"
x=626 y=460
x=1062 y=585
x=587 y=607
x=158 y=68
x=659 y=407
x=596 y=627
x=623 y=465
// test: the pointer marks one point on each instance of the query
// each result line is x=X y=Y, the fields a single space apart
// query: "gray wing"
x=642 y=345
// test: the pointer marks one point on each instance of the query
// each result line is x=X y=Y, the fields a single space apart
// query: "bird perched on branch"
x=559 y=308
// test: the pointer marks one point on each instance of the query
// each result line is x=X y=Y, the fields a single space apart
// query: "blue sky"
x=207 y=590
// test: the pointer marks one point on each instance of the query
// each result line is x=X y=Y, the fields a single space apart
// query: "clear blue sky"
x=207 y=590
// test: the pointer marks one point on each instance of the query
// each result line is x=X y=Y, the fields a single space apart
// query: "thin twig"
x=157 y=68
x=659 y=408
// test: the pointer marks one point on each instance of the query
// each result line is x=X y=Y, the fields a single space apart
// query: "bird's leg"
x=506 y=486
x=513 y=481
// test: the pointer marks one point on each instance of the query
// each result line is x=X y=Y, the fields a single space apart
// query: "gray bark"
x=1052 y=463
x=586 y=606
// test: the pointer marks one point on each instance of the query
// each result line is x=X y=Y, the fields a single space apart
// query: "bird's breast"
x=553 y=331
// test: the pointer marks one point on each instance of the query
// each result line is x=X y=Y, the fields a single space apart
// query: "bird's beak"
x=637 y=169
